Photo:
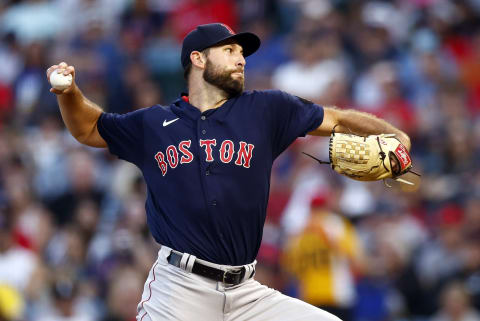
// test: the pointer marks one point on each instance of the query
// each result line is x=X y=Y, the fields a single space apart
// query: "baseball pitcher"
x=206 y=160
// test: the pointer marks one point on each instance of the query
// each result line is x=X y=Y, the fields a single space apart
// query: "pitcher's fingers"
x=69 y=70
x=58 y=92
x=55 y=91
x=50 y=70
x=63 y=65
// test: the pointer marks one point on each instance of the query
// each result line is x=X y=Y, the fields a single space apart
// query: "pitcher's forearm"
x=79 y=114
x=361 y=123
x=357 y=122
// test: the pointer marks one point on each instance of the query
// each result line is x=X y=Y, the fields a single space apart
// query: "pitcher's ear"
x=198 y=59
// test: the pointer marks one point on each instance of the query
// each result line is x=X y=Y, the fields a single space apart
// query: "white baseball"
x=59 y=81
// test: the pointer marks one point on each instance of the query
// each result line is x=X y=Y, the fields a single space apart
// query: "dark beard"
x=223 y=80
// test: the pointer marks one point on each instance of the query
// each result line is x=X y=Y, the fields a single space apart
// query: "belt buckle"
x=232 y=272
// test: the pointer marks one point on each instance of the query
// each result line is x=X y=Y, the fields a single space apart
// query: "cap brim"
x=249 y=42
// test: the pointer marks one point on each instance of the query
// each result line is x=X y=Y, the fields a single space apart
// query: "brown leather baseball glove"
x=370 y=158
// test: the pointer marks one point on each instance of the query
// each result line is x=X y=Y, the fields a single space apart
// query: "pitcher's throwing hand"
x=64 y=71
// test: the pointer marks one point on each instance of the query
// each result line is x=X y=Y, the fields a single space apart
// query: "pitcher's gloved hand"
x=370 y=158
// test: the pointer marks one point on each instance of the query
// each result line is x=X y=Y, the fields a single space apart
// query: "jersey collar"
x=182 y=107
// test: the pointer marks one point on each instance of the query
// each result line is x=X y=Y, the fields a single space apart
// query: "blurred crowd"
x=74 y=244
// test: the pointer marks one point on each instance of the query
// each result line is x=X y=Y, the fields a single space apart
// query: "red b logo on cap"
x=228 y=28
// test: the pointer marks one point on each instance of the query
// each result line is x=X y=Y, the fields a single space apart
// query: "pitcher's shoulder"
x=157 y=110
x=262 y=94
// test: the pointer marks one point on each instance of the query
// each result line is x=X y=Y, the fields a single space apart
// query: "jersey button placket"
x=203 y=131
x=203 y=118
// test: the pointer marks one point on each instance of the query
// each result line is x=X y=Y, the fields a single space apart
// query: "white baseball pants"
x=172 y=293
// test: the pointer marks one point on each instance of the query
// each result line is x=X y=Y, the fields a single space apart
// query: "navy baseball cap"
x=205 y=36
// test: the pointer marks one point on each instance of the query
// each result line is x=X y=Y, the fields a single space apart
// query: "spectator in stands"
x=455 y=305
x=324 y=259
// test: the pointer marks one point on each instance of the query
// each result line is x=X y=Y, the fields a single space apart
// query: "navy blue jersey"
x=208 y=174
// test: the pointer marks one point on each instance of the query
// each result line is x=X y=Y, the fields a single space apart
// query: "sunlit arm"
x=80 y=115
x=357 y=122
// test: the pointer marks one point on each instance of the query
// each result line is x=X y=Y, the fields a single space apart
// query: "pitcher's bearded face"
x=230 y=80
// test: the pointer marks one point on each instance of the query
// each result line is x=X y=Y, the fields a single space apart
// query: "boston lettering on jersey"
x=208 y=174
x=226 y=153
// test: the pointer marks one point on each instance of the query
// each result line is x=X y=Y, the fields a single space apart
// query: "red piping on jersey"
x=185 y=99
x=150 y=288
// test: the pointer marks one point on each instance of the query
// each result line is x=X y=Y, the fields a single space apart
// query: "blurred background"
x=73 y=239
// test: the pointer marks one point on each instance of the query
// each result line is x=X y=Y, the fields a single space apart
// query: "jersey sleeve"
x=291 y=117
x=124 y=135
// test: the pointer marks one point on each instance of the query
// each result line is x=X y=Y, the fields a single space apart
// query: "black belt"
x=228 y=277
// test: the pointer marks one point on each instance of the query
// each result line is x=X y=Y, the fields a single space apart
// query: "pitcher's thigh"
x=268 y=304
x=173 y=294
